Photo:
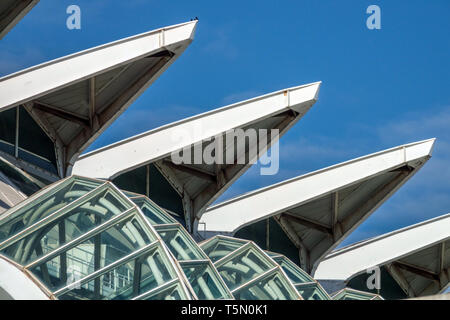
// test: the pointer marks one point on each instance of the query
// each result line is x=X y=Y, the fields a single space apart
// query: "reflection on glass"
x=243 y=267
x=126 y=281
x=180 y=243
x=172 y=293
x=294 y=273
x=271 y=287
x=74 y=222
x=45 y=204
x=311 y=291
x=204 y=281
x=94 y=253
x=154 y=214
x=219 y=247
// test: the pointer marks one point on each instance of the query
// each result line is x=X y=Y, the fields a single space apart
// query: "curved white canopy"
x=16 y=284
x=417 y=257
x=201 y=184
x=319 y=209
x=12 y=11
x=76 y=97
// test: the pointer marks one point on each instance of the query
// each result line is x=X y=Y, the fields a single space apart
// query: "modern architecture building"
x=131 y=221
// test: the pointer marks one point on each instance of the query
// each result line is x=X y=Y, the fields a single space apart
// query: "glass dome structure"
x=352 y=294
x=83 y=239
x=308 y=287
x=249 y=272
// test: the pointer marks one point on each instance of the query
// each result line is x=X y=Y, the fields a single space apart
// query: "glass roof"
x=352 y=294
x=248 y=271
x=84 y=239
x=200 y=273
x=309 y=288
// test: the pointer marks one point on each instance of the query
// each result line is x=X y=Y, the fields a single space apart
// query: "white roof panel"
x=412 y=255
x=201 y=182
x=76 y=97
x=319 y=209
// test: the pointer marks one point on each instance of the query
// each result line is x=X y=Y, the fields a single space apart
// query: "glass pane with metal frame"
x=128 y=280
x=180 y=243
x=43 y=204
x=155 y=214
x=351 y=294
x=205 y=282
x=243 y=266
x=174 y=292
x=294 y=272
x=218 y=247
x=73 y=221
x=94 y=253
x=312 y=291
x=272 y=286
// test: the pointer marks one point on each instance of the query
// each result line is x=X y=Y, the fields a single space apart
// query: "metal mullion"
x=102 y=271
x=291 y=284
x=172 y=261
x=159 y=288
x=181 y=262
x=220 y=279
x=50 y=218
x=69 y=245
x=166 y=225
x=236 y=251
x=262 y=275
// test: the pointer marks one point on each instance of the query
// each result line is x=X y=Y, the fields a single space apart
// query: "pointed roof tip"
x=308 y=92
x=194 y=28
x=428 y=145
x=432 y=143
x=192 y=24
x=318 y=84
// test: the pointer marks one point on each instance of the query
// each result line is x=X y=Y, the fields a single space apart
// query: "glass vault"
x=83 y=239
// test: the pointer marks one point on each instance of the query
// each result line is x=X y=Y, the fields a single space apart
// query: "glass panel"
x=294 y=272
x=95 y=253
x=348 y=294
x=97 y=209
x=154 y=214
x=126 y=281
x=311 y=291
x=174 y=292
x=218 y=247
x=272 y=254
x=272 y=287
x=243 y=267
x=180 y=243
x=204 y=280
x=45 y=204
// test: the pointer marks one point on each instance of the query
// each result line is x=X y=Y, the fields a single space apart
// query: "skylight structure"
x=352 y=294
x=84 y=239
x=308 y=287
x=197 y=267
x=248 y=271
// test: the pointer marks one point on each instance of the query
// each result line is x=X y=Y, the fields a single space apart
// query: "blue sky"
x=381 y=88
